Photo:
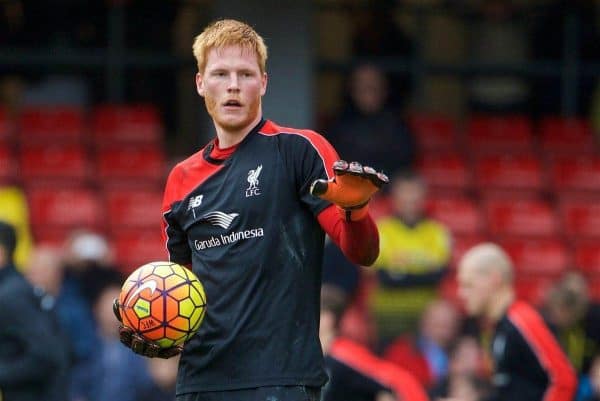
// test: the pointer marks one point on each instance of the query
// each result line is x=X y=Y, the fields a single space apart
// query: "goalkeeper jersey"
x=247 y=225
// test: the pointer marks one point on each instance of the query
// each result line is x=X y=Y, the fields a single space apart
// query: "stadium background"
x=501 y=98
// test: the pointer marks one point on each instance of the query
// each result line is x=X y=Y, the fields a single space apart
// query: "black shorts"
x=269 y=393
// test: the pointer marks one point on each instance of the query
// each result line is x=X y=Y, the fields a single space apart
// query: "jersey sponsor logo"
x=220 y=219
x=253 y=189
x=151 y=285
x=231 y=238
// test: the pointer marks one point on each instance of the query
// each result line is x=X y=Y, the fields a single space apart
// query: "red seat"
x=493 y=132
x=562 y=135
x=66 y=207
x=134 y=208
x=576 y=173
x=460 y=215
x=534 y=289
x=461 y=244
x=519 y=171
x=50 y=124
x=446 y=170
x=538 y=257
x=587 y=257
x=523 y=217
x=126 y=123
x=54 y=161
x=7 y=165
x=134 y=248
x=433 y=131
x=5 y=126
x=131 y=163
x=581 y=218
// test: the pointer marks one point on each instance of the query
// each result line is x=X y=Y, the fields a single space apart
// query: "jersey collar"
x=209 y=150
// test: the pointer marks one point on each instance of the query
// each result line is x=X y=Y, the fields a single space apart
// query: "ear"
x=199 y=84
x=264 y=80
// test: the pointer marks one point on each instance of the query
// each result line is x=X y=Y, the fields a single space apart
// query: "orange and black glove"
x=351 y=188
x=140 y=345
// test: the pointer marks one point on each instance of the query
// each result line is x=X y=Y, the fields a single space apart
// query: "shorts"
x=268 y=393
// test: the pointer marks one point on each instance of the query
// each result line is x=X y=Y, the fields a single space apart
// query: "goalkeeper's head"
x=229 y=32
x=485 y=280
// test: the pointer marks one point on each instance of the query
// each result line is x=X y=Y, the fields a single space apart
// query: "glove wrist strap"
x=354 y=213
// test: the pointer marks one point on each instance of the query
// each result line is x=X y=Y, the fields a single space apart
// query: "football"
x=163 y=302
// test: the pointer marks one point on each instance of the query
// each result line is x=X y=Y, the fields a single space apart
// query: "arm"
x=358 y=240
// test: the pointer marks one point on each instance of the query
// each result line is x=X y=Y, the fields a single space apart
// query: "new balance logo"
x=195 y=201
x=220 y=219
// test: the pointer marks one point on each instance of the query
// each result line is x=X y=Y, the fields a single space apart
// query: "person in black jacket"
x=34 y=357
x=528 y=363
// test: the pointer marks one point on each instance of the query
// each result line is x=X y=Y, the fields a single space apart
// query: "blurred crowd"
x=397 y=314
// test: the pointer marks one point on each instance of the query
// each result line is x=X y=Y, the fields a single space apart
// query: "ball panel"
x=177 y=335
x=196 y=317
x=172 y=309
x=186 y=307
x=142 y=308
x=180 y=323
x=180 y=292
x=163 y=271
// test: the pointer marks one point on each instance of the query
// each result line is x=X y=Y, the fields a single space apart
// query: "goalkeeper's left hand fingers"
x=351 y=188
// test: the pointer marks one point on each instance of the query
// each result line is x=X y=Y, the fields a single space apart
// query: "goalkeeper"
x=248 y=213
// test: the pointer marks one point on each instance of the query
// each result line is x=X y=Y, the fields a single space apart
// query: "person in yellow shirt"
x=14 y=210
x=414 y=253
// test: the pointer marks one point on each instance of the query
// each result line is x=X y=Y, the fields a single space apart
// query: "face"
x=409 y=199
x=368 y=89
x=475 y=289
x=232 y=86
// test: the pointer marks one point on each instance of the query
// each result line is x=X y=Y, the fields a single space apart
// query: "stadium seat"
x=445 y=170
x=532 y=218
x=51 y=125
x=561 y=135
x=538 y=257
x=579 y=173
x=434 y=132
x=510 y=171
x=461 y=244
x=134 y=248
x=580 y=218
x=5 y=126
x=134 y=208
x=533 y=289
x=499 y=133
x=126 y=124
x=461 y=215
x=65 y=207
x=54 y=161
x=587 y=258
x=131 y=163
x=7 y=165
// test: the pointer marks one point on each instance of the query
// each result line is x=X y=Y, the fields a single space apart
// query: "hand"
x=351 y=188
x=140 y=345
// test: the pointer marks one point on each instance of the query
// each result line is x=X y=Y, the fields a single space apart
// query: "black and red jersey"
x=529 y=364
x=247 y=224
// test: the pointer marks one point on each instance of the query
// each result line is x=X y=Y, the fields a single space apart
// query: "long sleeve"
x=358 y=240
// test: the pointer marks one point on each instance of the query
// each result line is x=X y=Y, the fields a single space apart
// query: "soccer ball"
x=163 y=302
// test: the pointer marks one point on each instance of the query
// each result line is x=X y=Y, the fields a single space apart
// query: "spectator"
x=355 y=373
x=426 y=353
x=112 y=372
x=378 y=36
x=389 y=144
x=415 y=251
x=34 y=360
x=529 y=364
x=14 y=210
x=591 y=382
x=465 y=360
x=45 y=272
x=498 y=37
x=85 y=255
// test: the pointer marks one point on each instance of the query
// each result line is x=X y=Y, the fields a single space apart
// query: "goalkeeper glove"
x=350 y=189
x=140 y=345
